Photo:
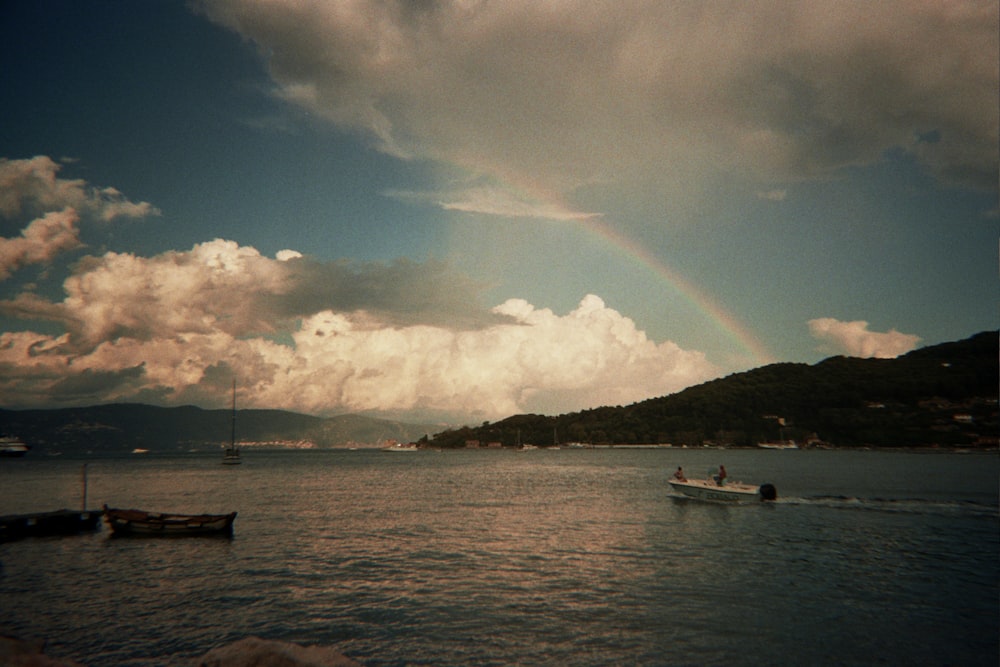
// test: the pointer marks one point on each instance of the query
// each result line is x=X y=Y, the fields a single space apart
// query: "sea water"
x=566 y=557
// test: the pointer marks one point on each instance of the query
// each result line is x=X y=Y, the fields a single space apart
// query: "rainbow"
x=552 y=205
x=754 y=349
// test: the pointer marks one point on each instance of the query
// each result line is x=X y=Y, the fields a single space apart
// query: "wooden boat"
x=141 y=522
x=231 y=456
x=731 y=492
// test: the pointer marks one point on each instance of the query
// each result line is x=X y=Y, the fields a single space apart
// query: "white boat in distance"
x=730 y=492
x=399 y=447
x=12 y=447
x=784 y=444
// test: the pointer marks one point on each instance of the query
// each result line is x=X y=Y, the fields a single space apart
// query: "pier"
x=57 y=522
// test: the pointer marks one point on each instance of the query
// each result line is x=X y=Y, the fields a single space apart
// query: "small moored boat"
x=231 y=456
x=732 y=492
x=141 y=522
x=12 y=447
x=399 y=447
x=784 y=444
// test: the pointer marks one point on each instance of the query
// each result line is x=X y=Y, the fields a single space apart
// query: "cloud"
x=561 y=95
x=496 y=200
x=286 y=255
x=220 y=286
x=33 y=187
x=40 y=241
x=855 y=340
x=176 y=326
x=773 y=195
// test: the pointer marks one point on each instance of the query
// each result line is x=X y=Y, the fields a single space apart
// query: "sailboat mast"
x=232 y=438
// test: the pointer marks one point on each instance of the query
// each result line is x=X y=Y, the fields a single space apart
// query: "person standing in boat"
x=720 y=479
x=679 y=475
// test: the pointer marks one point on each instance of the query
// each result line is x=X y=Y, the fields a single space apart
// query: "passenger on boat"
x=720 y=479
x=680 y=475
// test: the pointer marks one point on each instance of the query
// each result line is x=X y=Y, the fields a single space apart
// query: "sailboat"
x=781 y=444
x=231 y=456
x=523 y=446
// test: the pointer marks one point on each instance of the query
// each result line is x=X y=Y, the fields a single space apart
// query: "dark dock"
x=58 y=522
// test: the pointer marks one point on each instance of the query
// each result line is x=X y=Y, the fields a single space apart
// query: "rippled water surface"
x=569 y=557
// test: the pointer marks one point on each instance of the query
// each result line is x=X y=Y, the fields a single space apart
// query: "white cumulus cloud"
x=855 y=340
x=324 y=338
x=41 y=241
x=31 y=190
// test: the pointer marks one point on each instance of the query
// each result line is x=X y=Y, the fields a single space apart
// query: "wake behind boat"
x=732 y=492
x=143 y=523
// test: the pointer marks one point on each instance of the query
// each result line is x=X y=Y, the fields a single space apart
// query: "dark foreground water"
x=570 y=557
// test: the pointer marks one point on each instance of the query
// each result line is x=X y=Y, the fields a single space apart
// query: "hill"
x=944 y=395
x=125 y=426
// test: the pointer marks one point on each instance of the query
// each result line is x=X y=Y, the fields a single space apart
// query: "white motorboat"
x=731 y=492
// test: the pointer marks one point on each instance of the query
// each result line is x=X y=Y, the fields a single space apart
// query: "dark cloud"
x=579 y=92
x=401 y=293
x=90 y=383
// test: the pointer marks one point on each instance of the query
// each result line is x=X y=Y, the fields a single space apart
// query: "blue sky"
x=464 y=210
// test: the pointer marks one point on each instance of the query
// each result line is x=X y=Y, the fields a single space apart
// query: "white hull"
x=12 y=447
x=707 y=489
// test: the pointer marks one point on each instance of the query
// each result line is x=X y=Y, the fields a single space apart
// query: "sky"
x=463 y=210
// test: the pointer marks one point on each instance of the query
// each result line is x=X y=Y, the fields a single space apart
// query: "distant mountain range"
x=127 y=426
x=942 y=395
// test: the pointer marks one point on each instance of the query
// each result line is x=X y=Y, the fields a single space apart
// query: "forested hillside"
x=940 y=395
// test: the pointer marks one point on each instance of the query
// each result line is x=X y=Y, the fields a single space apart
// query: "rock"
x=257 y=652
x=15 y=652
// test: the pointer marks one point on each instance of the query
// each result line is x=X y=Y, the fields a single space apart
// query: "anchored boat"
x=141 y=522
x=231 y=456
x=11 y=447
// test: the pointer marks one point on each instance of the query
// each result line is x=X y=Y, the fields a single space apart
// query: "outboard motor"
x=768 y=492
